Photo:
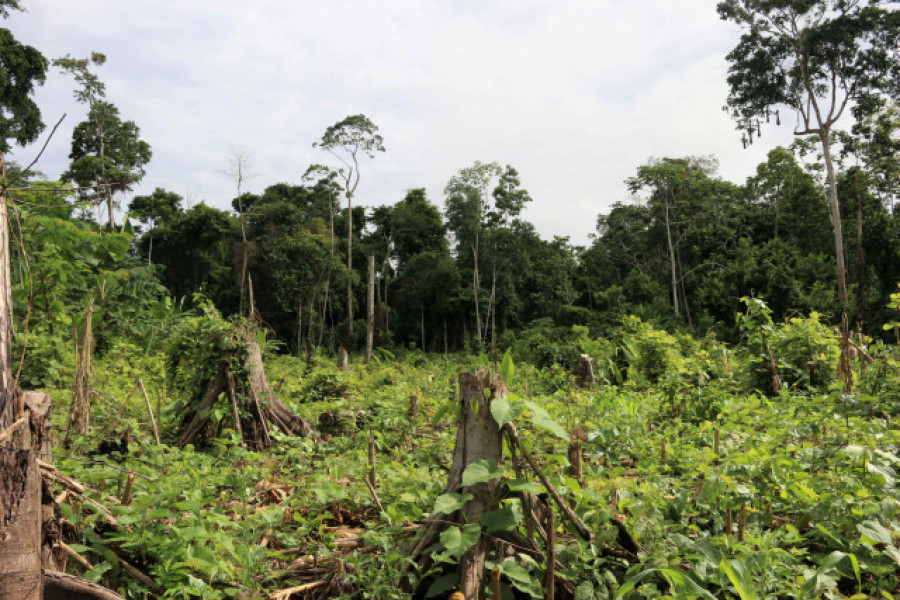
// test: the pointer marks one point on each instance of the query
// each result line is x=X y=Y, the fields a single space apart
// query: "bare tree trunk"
x=80 y=410
x=7 y=392
x=422 y=325
x=349 y=268
x=370 y=310
x=835 y=212
x=299 y=341
x=476 y=284
x=672 y=261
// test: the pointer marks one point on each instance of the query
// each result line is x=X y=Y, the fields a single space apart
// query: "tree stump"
x=584 y=373
x=342 y=360
x=21 y=577
x=262 y=404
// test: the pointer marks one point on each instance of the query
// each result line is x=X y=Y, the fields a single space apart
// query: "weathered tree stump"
x=584 y=373
x=262 y=405
x=20 y=525
x=342 y=360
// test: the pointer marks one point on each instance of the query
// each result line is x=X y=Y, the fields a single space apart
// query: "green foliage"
x=21 y=69
x=804 y=349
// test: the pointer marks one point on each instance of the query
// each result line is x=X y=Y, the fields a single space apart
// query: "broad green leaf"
x=442 y=584
x=875 y=531
x=517 y=485
x=450 y=503
x=94 y=574
x=481 y=471
x=499 y=520
x=739 y=577
x=542 y=419
x=457 y=540
x=505 y=410
x=514 y=571
x=584 y=591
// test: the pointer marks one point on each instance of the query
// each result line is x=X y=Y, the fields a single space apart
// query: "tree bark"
x=20 y=525
x=342 y=360
x=349 y=268
x=370 y=311
x=478 y=438
x=672 y=261
x=835 y=211
x=62 y=586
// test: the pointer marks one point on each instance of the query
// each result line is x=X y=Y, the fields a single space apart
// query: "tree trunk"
x=835 y=211
x=20 y=525
x=862 y=279
x=349 y=268
x=476 y=283
x=370 y=310
x=672 y=261
x=477 y=438
x=7 y=393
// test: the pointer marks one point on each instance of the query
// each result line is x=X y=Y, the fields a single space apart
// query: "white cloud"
x=575 y=95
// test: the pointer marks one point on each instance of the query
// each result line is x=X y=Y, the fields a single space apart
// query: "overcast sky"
x=574 y=94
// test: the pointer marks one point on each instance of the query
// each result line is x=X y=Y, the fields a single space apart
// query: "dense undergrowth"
x=729 y=492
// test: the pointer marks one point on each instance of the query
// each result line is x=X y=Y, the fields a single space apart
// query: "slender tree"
x=348 y=140
x=815 y=57
x=107 y=155
x=467 y=206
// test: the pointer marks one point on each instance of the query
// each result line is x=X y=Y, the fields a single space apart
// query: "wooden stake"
x=576 y=462
x=549 y=574
x=129 y=487
x=149 y=411
x=495 y=582
x=742 y=522
x=234 y=407
x=716 y=442
x=729 y=523
x=373 y=481
x=413 y=412
x=663 y=452
x=370 y=311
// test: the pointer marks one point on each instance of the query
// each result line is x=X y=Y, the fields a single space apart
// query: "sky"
x=575 y=95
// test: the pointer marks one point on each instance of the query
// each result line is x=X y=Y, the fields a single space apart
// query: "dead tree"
x=254 y=406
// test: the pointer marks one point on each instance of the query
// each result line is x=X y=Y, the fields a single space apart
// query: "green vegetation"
x=706 y=396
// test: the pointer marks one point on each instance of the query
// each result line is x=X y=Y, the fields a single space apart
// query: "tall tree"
x=815 y=57
x=240 y=169
x=21 y=69
x=107 y=155
x=467 y=207
x=348 y=140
